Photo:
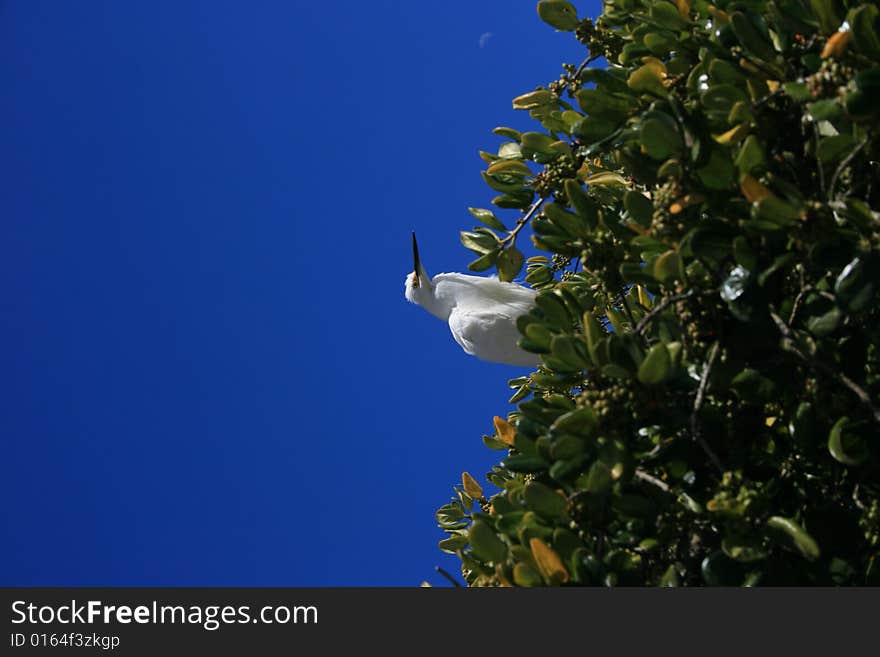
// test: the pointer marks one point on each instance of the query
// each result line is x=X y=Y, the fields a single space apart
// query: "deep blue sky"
x=210 y=375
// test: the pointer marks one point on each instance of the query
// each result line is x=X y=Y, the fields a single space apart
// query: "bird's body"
x=481 y=311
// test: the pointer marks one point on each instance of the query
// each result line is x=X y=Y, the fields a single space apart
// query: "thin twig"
x=818 y=163
x=447 y=576
x=698 y=404
x=800 y=297
x=790 y=344
x=627 y=311
x=522 y=221
x=644 y=476
x=766 y=99
x=659 y=308
x=845 y=163
x=798 y=300
x=584 y=64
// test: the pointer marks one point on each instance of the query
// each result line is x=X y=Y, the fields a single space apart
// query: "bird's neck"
x=436 y=299
x=439 y=305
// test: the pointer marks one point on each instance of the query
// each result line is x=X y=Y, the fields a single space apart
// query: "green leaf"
x=723 y=72
x=861 y=101
x=796 y=535
x=751 y=32
x=453 y=544
x=667 y=15
x=614 y=371
x=526 y=576
x=502 y=183
x=538 y=142
x=540 y=335
x=777 y=211
x=539 y=275
x=483 y=262
x=722 y=97
x=582 y=204
x=798 y=91
x=571 y=350
x=567 y=221
x=599 y=103
x=519 y=199
x=846 y=447
x=752 y=386
x=510 y=262
x=640 y=208
x=718 y=570
x=508 y=133
x=606 y=178
x=554 y=309
x=524 y=463
x=599 y=478
x=566 y=446
x=801 y=426
x=657 y=365
x=779 y=263
x=559 y=14
x=719 y=173
x=509 y=167
x=835 y=148
x=633 y=506
x=531 y=100
x=449 y=514
x=648 y=79
x=865 y=26
x=494 y=443
x=479 y=242
x=521 y=393
x=581 y=421
x=826 y=323
x=632 y=52
x=592 y=129
x=825 y=110
x=712 y=241
x=660 y=139
x=744 y=549
x=824 y=10
x=633 y=272
x=857 y=284
x=667 y=267
x=659 y=44
x=750 y=158
x=669 y=578
x=544 y=501
x=487 y=217
x=486 y=544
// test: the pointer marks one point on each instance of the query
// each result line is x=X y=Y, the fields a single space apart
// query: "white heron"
x=481 y=311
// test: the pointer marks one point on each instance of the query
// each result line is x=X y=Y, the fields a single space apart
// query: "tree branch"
x=522 y=221
x=698 y=404
x=818 y=163
x=447 y=576
x=659 y=308
x=840 y=168
x=790 y=344
x=584 y=64
x=651 y=479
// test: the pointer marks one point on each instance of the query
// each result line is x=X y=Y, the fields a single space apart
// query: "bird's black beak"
x=417 y=263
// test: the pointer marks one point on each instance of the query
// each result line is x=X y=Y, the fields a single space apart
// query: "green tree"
x=706 y=411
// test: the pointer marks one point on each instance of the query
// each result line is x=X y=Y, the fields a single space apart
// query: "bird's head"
x=418 y=283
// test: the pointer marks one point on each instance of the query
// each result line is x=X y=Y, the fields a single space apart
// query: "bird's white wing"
x=490 y=336
x=483 y=292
